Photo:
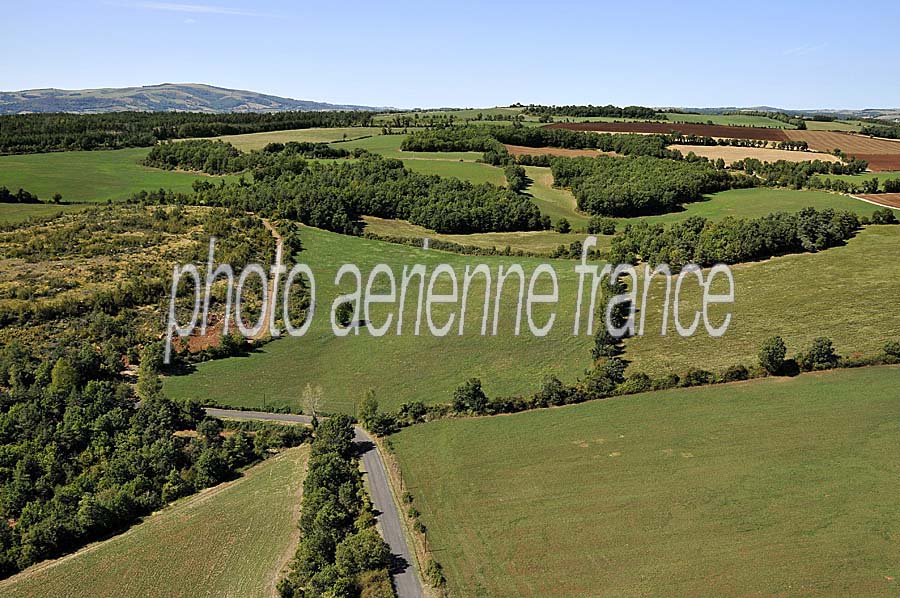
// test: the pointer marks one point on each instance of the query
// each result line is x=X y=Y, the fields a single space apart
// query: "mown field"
x=252 y=141
x=800 y=297
x=769 y=488
x=230 y=540
x=90 y=176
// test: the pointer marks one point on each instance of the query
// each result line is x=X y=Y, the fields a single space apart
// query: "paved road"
x=406 y=580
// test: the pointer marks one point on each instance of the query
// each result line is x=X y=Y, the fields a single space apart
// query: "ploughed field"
x=774 y=487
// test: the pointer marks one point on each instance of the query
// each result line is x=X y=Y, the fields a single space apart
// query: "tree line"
x=732 y=240
x=341 y=552
x=45 y=132
x=221 y=157
x=591 y=110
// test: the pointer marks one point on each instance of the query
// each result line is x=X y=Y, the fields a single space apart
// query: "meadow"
x=800 y=297
x=772 y=487
x=90 y=176
x=252 y=141
x=229 y=540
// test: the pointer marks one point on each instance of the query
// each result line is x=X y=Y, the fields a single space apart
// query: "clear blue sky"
x=791 y=54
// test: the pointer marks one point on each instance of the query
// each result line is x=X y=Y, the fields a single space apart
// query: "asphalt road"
x=406 y=580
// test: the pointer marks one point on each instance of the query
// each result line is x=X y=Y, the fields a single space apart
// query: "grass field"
x=800 y=297
x=739 y=120
x=252 y=141
x=779 y=487
x=89 y=176
x=230 y=540
x=859 y=178
x=15 y=212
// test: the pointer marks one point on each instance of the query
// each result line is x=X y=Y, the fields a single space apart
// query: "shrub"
x=892 y=349
x=563 y=226
x=434 y=573
x=772 y=354
x=735 y=373
x=820 y=356
x=636 y=383
x=698 y=377
x=376 y=584
x=883 y=216
x=553 y=392
x=469 y=398
x=419 y=527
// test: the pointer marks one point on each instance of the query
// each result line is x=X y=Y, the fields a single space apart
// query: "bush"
x=772 y=354
x=820 y=356
x=883 y=216
x=892 y=349
x=697 y=377
x=563 y=226
x=434 y=574
x=469 y=398
x=735 y=373
x=636 y=383
x=601 y=225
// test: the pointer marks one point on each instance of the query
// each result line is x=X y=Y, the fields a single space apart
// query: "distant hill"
x=167 y=97
x=882 y=113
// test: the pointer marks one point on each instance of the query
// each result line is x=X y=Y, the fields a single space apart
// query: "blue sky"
x=799 y=54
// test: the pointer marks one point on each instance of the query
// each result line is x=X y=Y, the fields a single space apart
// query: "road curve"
x=406 y=579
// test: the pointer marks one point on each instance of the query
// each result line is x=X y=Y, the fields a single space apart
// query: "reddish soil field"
x=521 y=150
x=890 y=200
x=881 y=162
x=687 y=129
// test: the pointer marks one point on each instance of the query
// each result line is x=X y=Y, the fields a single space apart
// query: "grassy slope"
x=776 y=487
x=400 y=368
x=89 y=176
x=228 y=541
x=800 y=297
x=845 y=293
x=251 y=141
x=13 y=212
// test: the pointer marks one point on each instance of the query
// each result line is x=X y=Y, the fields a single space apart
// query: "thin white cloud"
x=204 y=9
x=804 y=50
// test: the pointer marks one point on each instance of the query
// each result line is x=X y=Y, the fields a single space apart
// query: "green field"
x=252 y=141
x=741 y=120
x=859 y=178
x=16 y=212
x=230 y=540
x=846 y=293
x=838 y=125
x=90 y=176
x=800 y=297
x=779 y=487
x=389 y=146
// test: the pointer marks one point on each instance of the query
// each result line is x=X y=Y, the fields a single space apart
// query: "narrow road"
x=406 y=580
x=270 y=304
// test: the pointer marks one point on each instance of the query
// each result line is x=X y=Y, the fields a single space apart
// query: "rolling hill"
x=166 y=97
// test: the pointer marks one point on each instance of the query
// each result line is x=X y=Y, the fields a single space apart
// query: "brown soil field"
x=890 y=200
x=687 y=129
x=521 y=150
x=828 y=141
x=881 y=162
x=731 y=154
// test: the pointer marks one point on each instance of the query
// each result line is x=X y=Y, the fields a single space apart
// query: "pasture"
x=229 y=540
x=252 y=141
x=800 y=297
x=772 y=487
x=90 y=176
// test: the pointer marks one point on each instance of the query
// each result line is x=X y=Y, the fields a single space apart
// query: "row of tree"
x=220 y=157
x=45 y=132
x=591 y=110
x=341 y=552
x=731 y=240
